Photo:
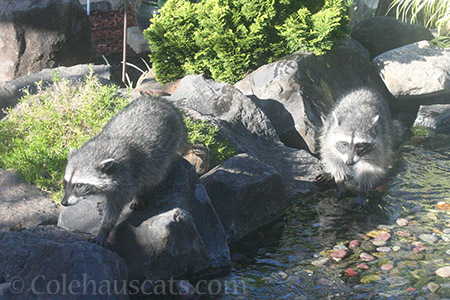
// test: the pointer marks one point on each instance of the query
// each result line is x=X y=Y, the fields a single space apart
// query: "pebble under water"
x=321 y=249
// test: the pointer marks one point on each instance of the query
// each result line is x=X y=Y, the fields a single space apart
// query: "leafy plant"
x=434 y=14
x=37 y=135
x=226 y=39
x=208 y=135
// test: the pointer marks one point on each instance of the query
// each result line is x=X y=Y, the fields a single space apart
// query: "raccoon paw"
x=101 y=240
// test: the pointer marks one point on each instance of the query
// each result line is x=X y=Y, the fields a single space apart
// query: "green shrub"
x=208 y=135
x=37 y=135
x=226 y=39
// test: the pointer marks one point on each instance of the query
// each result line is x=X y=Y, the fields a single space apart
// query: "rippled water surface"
x=276 y=263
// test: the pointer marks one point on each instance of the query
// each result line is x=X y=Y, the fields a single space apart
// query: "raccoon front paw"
x=101 y=239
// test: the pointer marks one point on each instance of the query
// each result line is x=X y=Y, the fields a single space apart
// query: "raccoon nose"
x=350 y=162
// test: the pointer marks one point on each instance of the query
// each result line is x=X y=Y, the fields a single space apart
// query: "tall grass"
x=433 y=14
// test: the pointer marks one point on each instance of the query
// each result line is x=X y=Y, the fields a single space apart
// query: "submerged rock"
x=443 y=272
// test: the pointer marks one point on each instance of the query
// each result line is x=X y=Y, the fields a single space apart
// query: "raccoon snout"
x=350 y=162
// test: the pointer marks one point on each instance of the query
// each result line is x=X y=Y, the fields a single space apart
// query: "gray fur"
x=360 y=116
x=124 y=162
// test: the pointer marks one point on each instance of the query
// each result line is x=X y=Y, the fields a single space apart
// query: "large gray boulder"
x=415 y=69
x=246 y=127
x=40 y=263
x=35 y=35
x=381 y=34
x=246 y=194
x=297 y=91
x=178 y=234
x=12 y=91
x=432 y=119
x=23 y=205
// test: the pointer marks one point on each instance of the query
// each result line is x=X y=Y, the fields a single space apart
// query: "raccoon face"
x=352 y=150
x=80 y=183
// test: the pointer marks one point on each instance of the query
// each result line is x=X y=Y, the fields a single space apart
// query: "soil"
x=107 y=38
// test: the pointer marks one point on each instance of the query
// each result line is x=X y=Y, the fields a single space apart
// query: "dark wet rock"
x=30 y=42
x=381 y=34
x=248 y=129
x=59 y=256
x=179 y=233
x=433 y=118
x=23 y=205
x=415 y=69
x=297 y=91
x=246 y=194
x=12 y=91
x=185 y=291
x=367 y=246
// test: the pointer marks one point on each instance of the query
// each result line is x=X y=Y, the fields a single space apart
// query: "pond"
x=409 y=214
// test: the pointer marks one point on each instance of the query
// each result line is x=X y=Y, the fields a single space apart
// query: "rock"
x=381 y=34
x=384 y=249
x=415 y=69
x=443 y=272
x=396 y=248
x=47 y=254
x=320 y=262
x=433 y=287
x=297 y=91
x=378 y=243
x=136 y=40
x=29 y=42
x=184 y=290
x=366 y=257
x=402 y=222
x=198 y=155
x=12 y=91
x=247 y=128
x=363 y=266
x=246 y=194
x=387 y=267
x=354 y=244
x=370 y=279
x=5 y=292
x=367 y=246
x=351 y=272
x=23 y=205
x=428 y=238
x=434 y=118
x=384 y=236
x=339 y=254
x=178 y=233
x=397 y=281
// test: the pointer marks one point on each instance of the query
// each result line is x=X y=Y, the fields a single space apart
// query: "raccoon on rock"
x=356 y=141
x=126 y=160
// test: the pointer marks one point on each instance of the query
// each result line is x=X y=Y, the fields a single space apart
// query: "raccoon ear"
x=106 y=165
x=375 y=119
x=335 y=118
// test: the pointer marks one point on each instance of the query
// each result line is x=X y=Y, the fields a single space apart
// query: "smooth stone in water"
x=354 y=244
x=320 y=262
x=443 y=272
x=433 y=287
x=387 y=267
x=339 y=254
x=402 y=222
x=366 y=257
x=363 y=266
x=379 y=243
x=397 y=281
x=396 y=248
x=384 y=249
x=428 y=238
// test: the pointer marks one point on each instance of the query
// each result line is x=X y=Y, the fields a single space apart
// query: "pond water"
x=410 y=211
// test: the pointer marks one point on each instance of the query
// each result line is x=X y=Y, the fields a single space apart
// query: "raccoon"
x=356 y=141
x=126 y=160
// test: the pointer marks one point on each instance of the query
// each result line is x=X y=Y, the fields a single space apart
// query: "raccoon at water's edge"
x=356 y=141
x=126 y=160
